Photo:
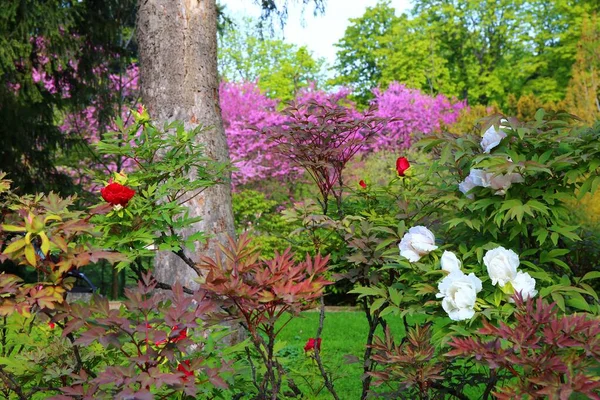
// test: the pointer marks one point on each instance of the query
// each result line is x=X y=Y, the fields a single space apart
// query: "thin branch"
x=12 y=384
x=326 y=378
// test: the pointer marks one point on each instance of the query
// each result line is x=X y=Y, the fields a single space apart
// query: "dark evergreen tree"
x=54 y=57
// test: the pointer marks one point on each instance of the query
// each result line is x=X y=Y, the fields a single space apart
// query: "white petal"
x=450 y=262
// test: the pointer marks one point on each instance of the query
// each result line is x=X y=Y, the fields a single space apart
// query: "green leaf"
x=15 y=246
x=591 y=275
x=12 y=228
x=395 y=296
x=368 y=291
x=577 y=301
x=559 y=299
x=388 y=310
x=376 y=305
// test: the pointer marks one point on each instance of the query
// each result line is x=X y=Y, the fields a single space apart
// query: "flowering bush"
x=547 y=355
x=411 y=112
x=515 y=197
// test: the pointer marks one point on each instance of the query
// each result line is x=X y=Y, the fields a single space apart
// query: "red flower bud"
x=362 y=184
x=310 y=345
x=117 y=194
x=402 y=165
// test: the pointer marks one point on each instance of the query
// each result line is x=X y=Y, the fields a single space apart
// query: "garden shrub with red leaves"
x=260 y=292
x=549 y=355
x=322 y=138
x=152 y=358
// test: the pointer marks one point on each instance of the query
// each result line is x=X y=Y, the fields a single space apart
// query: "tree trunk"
x=177 y=42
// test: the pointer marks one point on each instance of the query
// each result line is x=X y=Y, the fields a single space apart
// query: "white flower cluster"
x=502 y=267
x=478 y=177
x=458 y=290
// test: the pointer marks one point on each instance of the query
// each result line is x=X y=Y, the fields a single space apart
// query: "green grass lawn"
x=344 y=333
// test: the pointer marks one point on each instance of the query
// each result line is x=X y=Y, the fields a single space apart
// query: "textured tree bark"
x=177 y=42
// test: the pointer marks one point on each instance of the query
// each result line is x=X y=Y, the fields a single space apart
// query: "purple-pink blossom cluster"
x=247 y=112
x=412 y=111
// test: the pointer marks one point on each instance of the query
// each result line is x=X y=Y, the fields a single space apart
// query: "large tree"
x=177 y=42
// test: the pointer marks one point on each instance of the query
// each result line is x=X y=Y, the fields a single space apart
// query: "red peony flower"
x=310 y=345
x=362 y=184
x=117 y=194
x=186 y=369
x=402 y=165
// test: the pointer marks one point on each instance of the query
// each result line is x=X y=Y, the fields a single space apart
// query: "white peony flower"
x=524 y=284
x=491 y=138
x=502 y=182
x=459 y=292
x=416 y=243
x=501 y=265
x=450 y=262
x=477 y=177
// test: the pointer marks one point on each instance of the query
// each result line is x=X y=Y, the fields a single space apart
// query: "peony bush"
x=469 y=244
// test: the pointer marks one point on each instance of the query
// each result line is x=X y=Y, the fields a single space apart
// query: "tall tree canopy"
x=480 y=51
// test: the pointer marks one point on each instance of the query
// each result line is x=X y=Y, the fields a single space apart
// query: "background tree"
x=414 y=57
x=359 y=60
x=583 y=93
x=480 y=51
x=249 y=54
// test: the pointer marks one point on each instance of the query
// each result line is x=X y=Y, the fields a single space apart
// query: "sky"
x=320 y=33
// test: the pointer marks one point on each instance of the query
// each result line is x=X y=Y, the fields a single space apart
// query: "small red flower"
x=186 y=368
x=117 y=194
x=402 y=165
x=51 y=325
x=362 y=184
x=182 y=334
x=310 y=345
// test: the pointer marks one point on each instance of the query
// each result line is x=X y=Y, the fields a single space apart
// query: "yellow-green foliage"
x=469 y=119
x=587 y=210
x=525 y=107
x=583 y=92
